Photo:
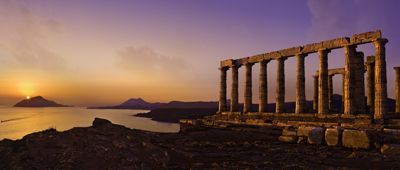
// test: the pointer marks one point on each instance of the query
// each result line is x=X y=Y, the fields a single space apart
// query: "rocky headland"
x=109 y=146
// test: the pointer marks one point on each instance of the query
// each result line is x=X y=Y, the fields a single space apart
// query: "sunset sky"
x=102 y=52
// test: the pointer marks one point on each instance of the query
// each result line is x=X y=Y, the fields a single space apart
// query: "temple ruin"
x=364 y=121
x=354 y=107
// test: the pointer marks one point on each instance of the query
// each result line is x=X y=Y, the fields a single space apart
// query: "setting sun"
x=28 y=97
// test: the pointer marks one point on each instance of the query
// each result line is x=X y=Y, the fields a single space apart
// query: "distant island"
x=139 y=103
x=133 y=103
x=38 y=101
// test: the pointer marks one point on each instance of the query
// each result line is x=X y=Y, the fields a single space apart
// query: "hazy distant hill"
x=138 y=103
x=133 y=103
x=38 y=101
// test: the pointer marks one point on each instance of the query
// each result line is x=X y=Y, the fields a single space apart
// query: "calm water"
x=18 y=122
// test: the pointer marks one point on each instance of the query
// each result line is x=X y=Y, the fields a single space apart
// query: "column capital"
x=248 y=64
x=380 y=41
x=281 y=58
x=235 y=66
x=223 y=68
x=354 y=46
x=323 y=51
x=301 y=55
x=266 y=61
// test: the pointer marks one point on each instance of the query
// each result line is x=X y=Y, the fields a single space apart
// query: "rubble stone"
x=358 y=139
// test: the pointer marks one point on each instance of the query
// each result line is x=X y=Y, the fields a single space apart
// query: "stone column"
x=323 y=82
x=360 y=86
x=380 y=80
x=300 y=87
x=280 y=86
x=248 y=89
x=263 y=87
x=343 y=76
x=235 y=89
x=330 y=92
x=397 y=86
x=315 y=99
x=349 y=79
x=222 y=90
x=370 y=84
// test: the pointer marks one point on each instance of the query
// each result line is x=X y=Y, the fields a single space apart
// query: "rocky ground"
x=108 y=146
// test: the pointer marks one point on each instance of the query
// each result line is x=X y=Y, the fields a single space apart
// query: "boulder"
x=390 y=149
x=288 y=139
x=333 y=136
x=316 y=135
x=358 y=139
x=100 y=122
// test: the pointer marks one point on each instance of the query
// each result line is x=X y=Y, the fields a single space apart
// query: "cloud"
x=26 y=38
x=332 y=18
x=145 y=60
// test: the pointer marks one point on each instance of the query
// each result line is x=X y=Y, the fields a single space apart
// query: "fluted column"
x=323 y=82
x=280 y=83
x=360 y=85
x=235 y=89
x=349 y=80
x=380 y=80
x=222 y=90
x=370 y=84
x=248 y=89
x=397 y=86
x=330 y=92
x=315 y=99
x=300 y=87
x=263 y=87
x=343 y=80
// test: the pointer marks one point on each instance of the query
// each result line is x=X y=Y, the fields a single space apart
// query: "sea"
x=18 y=122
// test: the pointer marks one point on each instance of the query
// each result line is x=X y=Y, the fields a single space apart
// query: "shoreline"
x=173 y=115
x=110 y=146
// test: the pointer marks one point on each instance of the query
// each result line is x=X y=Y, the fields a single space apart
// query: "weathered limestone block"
x=287 y=132
x=304 y=131
x=255 y=58
x=333 y=136
x=311 y=48
x=366 y=37
x=390 y=149
x=288 y=139
x=316 y=135
x=335 y=43
x=358 y=139
x=290 y=51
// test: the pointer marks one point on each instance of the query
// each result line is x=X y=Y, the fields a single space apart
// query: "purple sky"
x=97 y=52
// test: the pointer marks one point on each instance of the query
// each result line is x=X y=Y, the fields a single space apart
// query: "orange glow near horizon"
x=27 y=88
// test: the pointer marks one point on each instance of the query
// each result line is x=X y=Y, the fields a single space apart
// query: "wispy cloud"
x=145 y=60
x=337 y=17
x=25 y=38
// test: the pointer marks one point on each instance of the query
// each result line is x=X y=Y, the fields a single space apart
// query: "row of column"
x=353 y=84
